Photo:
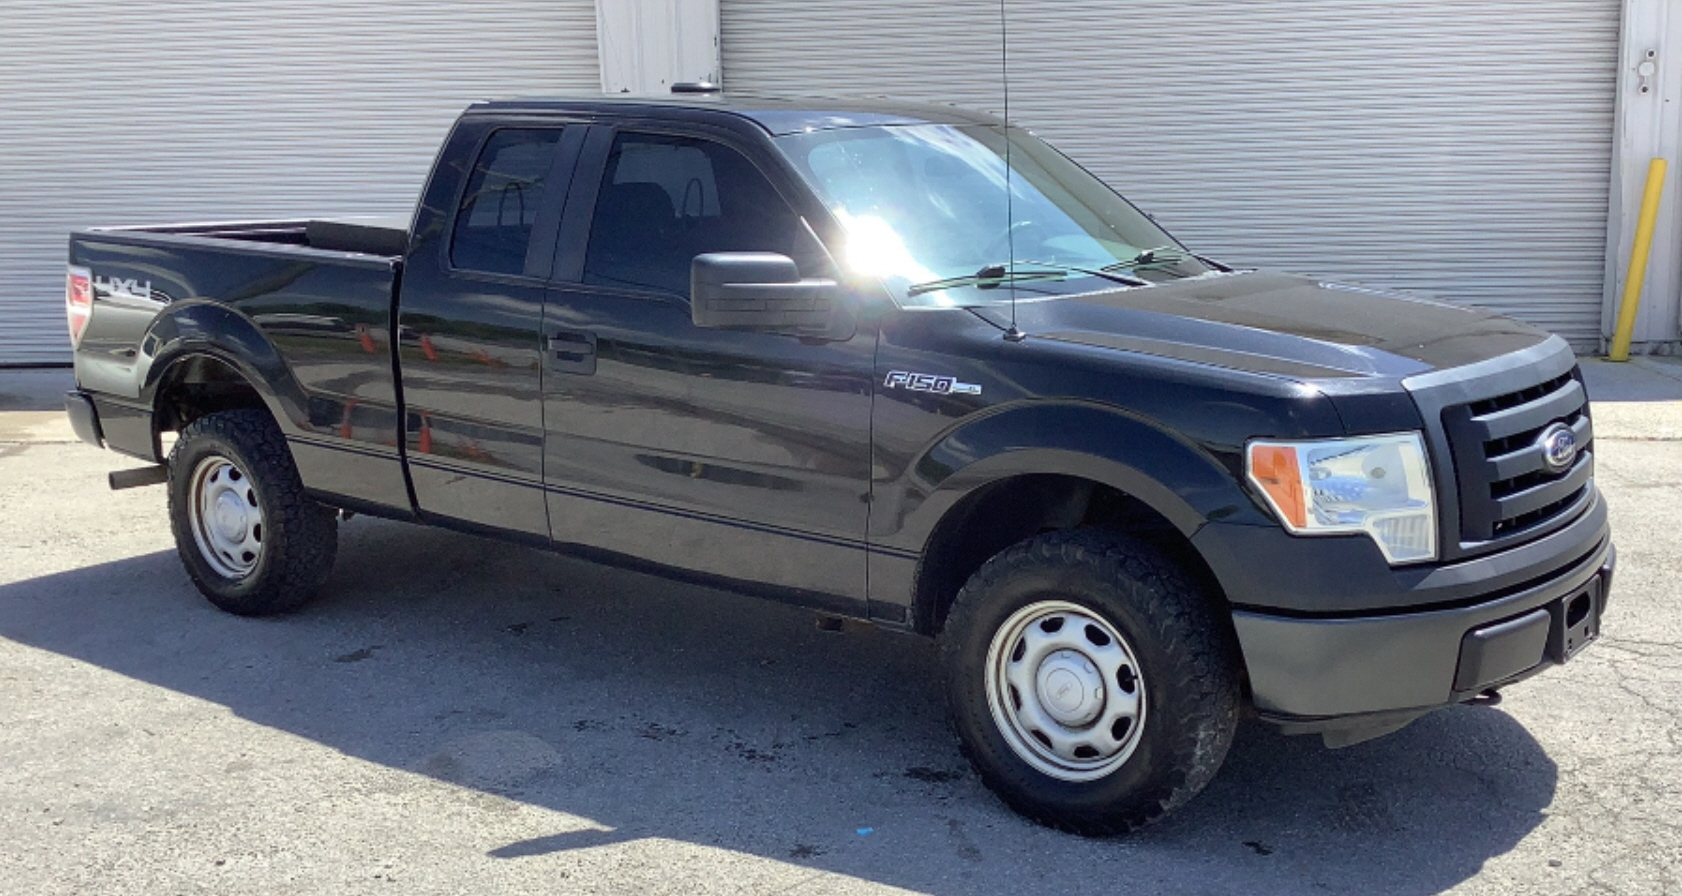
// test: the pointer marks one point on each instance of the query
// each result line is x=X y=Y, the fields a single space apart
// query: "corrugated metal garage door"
x=144 y=112
x=1461 y=149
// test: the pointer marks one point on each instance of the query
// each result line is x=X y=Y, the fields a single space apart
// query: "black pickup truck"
x=893 y=362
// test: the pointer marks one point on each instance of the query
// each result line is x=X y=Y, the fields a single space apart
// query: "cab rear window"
x=494 y=222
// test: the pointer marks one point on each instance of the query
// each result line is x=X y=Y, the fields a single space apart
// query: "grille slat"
x=1532 y=415
x=1488 y=406
x=1504 y=483
x=1513 y=464
x=1547 y=491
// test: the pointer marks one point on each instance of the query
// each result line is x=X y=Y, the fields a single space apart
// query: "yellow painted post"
x=1636 y=275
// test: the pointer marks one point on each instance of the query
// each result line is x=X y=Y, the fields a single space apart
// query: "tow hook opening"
x=1487 y=697
x=1578 y=610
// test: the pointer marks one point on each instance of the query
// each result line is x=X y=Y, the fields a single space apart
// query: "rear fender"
x=204 y=328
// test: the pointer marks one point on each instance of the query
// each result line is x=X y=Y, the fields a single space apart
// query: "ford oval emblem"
x=1559 y=447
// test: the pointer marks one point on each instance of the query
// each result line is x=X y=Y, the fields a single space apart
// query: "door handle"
x=572 y=351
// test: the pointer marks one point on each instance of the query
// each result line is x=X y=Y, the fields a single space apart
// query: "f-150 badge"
x=928 y=382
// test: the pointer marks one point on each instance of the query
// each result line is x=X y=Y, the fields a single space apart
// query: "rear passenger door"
x=731 y=454
x=471 y=341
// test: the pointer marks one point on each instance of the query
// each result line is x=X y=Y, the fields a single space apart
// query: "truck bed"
x=384 y=236
x=303 y=307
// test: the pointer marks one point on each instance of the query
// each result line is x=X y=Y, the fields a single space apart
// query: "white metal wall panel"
x=1454 y=148
x=149 y=112
x=649 y=45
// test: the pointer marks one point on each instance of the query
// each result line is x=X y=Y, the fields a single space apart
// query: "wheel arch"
x=205 y=358
x=1087 y=466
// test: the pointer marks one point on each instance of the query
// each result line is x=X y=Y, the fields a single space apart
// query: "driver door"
x=742 y=456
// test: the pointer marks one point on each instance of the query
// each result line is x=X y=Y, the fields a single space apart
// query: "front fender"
x=1186 y=483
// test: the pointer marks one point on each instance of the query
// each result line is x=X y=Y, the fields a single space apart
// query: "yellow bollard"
x=1636 y=276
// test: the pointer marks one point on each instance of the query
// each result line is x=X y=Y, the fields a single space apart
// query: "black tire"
x=293 y=540
x=1187 y=680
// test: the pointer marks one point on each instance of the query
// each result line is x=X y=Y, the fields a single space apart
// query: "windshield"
x=925 y=209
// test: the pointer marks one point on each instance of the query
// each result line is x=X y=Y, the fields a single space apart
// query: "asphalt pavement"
x=460 y=716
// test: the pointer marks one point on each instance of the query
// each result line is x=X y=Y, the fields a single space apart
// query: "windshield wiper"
x=1150 y=257
x=987 y=278
x=994 y=275
x=1104 y=272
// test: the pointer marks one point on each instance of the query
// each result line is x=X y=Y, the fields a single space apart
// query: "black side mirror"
x=758 y=291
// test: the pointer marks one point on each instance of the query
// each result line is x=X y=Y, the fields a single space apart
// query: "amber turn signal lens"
x=1274 y=468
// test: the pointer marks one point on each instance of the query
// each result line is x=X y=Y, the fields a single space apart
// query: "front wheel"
x=250 y=538
x=1090 y=682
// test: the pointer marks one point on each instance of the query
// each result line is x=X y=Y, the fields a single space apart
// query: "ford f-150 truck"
x=901 y=363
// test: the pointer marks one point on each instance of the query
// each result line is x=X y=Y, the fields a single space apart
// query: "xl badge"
x=928 y=382
x=1559 y=447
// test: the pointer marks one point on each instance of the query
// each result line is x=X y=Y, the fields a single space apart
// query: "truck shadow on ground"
x=669 y=711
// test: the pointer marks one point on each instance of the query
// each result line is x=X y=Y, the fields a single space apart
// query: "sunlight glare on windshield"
x=875 y=249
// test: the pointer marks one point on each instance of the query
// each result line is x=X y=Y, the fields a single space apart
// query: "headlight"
x=1379 y=485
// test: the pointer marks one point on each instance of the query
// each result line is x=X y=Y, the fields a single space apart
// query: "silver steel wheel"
x=1065 y=690
x=222 y=511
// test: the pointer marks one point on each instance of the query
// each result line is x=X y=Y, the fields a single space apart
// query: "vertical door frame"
x=1647 y=125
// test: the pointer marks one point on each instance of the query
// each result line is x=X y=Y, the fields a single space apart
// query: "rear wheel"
x=249 y=537
x=1090 y=682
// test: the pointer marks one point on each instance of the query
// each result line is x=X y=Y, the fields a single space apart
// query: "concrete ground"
x=462 y=716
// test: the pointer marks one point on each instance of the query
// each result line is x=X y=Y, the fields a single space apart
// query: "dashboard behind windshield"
x=926 y=203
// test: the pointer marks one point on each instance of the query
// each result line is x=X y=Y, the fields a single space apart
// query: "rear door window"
x=493 y=225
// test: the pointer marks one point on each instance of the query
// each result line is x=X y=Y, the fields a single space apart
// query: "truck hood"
x=1280 y=324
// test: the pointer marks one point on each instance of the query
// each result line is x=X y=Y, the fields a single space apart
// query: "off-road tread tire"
x=1188 y=658
x=300 y=537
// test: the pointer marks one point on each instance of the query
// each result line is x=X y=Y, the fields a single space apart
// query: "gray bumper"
x=84 y=418
x=1316 y=674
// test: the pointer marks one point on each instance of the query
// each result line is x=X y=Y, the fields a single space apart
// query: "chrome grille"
x=1505 y=485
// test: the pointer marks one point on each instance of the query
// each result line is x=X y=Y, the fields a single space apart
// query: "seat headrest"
x=639 y=201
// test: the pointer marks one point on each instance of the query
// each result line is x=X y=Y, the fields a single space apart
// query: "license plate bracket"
x=1575 y=622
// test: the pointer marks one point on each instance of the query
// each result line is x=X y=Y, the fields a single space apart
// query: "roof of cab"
x=777 y=115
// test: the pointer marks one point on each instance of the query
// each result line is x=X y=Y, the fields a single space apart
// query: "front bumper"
x=1530 y=607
